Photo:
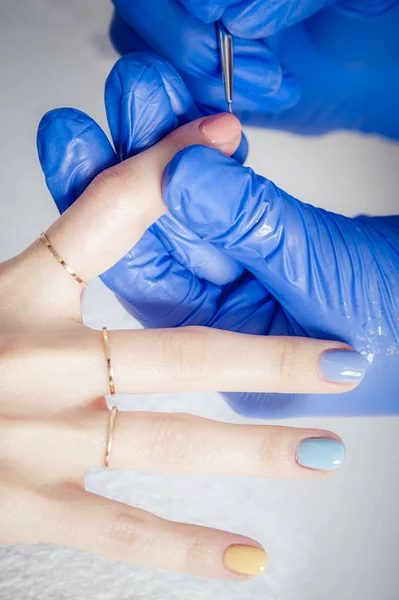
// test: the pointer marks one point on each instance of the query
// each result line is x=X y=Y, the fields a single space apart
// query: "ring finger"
x=173 y=443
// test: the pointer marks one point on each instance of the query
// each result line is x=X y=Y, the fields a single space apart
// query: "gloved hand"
x=306 y=272
x=255 y=261
x=336 y=69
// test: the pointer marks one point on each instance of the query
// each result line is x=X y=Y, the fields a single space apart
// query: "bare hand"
x=53 y=378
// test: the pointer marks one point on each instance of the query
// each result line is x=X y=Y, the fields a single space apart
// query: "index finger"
x=123 y=201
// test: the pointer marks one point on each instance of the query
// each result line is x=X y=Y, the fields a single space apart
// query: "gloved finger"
x=72 y=150
x=260 y=18
x=249 y=308
x=201 y=258
x=296 y=251
x=122 y=202
x=158 y=291
x=191 y=47
x=146 y=99
x=254 y=18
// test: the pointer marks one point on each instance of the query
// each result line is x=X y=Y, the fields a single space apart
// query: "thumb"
x=309 y=259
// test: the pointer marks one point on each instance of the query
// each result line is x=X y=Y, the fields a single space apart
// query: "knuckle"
x=203 y=550
x=185 y=352
x=125 y=535
x=114 y=183
x=289 y=363
x=108 y=179
x=175 y=142
x=273 y=452
x=172 y=439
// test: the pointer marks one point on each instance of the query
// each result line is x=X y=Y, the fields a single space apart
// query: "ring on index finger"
x=53 y=251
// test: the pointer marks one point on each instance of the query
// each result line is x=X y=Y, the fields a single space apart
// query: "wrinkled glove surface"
x=305 y=66
x=234 y=251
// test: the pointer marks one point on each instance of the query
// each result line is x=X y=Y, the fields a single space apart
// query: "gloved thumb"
x=309 y=259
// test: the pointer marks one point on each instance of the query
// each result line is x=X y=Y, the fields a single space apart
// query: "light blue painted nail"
x=342 y=366
x=323 y=454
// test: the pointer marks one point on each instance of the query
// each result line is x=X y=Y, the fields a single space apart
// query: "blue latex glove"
x=320 y=275
x=255 y=261
x=344 y=59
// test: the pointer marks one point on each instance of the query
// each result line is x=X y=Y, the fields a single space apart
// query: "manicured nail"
x=245 y=560
x=323 y=454
x=343 y=366
x=221 y=129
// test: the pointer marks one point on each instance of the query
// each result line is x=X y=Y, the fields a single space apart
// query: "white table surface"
x=334 y=540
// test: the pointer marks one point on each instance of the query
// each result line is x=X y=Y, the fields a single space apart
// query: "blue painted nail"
x=343 y=366
x=323 y=454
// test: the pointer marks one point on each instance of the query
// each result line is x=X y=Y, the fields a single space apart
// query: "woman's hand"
x=175 y=277
x=53 y=416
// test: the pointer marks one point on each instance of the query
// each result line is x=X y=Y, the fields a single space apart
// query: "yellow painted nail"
x=245 y=560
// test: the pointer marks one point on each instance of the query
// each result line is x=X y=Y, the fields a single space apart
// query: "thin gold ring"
x=110 y=432
x=109 y=364
x=62 y=262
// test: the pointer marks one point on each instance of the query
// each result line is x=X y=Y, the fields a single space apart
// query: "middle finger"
x=166 y=360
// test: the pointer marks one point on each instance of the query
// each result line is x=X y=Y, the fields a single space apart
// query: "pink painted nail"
x=221 y=129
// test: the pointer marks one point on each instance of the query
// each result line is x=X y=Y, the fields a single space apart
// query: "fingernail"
x=323 y=454
x=221 y=129
x=343 y=366
x=245 y=560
